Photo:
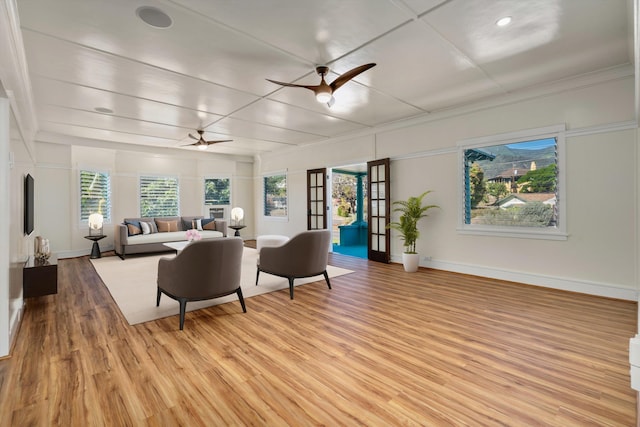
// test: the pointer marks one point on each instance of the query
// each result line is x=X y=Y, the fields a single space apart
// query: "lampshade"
x=237 y=214
x=95 y=221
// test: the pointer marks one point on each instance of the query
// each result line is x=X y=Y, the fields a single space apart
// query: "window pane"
x=95 y=194
x=275 y=196
x=513 y=184
x=158 y=196
x=217 y=191
x=381 y=225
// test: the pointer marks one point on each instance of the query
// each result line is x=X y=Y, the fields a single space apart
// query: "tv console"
x=40 y=277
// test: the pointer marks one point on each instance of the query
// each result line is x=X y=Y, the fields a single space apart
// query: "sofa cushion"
x=172 y=236
x=133 y=227
x=209 y=224
x=167 y=226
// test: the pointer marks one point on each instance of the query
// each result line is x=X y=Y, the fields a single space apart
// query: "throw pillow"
x=166 y=226
x=145 y=227
x=133 y=227
x=209 y=224
x=197 y=224
x=152 y=226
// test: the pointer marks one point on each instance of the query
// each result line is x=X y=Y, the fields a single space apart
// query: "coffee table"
x=176 y=246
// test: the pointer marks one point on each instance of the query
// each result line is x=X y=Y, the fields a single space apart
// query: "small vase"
x=410 y=262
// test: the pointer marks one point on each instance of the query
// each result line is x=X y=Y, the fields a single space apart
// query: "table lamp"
x=95 y=224
x=237 y=215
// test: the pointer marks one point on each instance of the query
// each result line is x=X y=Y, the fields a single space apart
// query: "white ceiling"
x=209 y=68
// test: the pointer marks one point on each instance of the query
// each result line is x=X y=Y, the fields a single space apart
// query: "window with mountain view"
x=512 y=185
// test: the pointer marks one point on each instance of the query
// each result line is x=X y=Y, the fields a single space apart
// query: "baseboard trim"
x=571 y=285
x=82 y=252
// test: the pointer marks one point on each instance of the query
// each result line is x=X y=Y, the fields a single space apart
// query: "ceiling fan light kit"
x=323 y=97
x=324 y=91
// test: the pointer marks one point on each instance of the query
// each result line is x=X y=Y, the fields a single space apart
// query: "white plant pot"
x=410 y=262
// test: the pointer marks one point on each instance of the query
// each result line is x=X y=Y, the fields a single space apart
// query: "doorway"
x=349 y=210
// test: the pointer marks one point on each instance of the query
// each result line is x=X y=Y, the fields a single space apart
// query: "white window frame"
x=148 y=175
x=264 y=192
x=558 y=232
x=106 y=210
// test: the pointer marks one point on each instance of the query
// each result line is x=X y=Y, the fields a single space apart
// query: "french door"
x=316 y=199
x=379 y=211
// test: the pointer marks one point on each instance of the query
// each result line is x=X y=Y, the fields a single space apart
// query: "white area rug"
x=132 y=284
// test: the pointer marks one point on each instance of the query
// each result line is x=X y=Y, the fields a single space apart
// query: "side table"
x=237 y=228
x=95 y=249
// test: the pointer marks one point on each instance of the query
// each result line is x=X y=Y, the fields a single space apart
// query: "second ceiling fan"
x=324 y=91
x=202 y=144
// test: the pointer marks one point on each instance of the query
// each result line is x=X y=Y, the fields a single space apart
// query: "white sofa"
x=125 y=243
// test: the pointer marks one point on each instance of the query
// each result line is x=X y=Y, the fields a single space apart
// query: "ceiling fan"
x=323 y=91
x=202 y=144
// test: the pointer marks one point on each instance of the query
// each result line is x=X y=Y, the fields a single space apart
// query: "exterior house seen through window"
x=512 y=186
x=159 y=196
x=95 y=194
x=275 y=196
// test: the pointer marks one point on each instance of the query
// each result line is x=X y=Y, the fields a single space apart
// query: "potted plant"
x=411 y=211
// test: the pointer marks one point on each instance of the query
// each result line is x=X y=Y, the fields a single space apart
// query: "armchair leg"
x=183 y=308
x=239 y=292
x=291 y=287
x=257 y=275
x=158 y=298
x=326 y=277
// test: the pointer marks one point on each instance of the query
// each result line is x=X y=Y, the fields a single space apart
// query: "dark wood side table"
x=40 y=277
x=237 y=228
x=95 y=249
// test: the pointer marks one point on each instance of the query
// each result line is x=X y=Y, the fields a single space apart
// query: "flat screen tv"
x=28 y=204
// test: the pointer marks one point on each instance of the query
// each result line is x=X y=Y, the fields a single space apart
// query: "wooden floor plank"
x=382 y=347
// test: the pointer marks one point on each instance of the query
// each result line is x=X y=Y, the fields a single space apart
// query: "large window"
x=95 y=194
x=275 y=196
x=512 y=185
x=217 y=191
x=159 y=196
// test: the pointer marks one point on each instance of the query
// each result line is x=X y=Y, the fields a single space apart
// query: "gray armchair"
x=304 y=255
x=203 y=270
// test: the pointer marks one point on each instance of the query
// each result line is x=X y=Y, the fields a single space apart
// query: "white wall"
x=600 y=255
x=15 y=162
x=57 y=187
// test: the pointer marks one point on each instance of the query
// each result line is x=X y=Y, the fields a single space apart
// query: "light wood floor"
x=383 y=347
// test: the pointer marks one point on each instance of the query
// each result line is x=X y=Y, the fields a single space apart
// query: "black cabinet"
x=40 y=277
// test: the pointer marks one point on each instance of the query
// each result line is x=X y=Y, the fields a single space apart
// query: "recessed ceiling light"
x=104 y=110
x=503 y=22
x=153 y=16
